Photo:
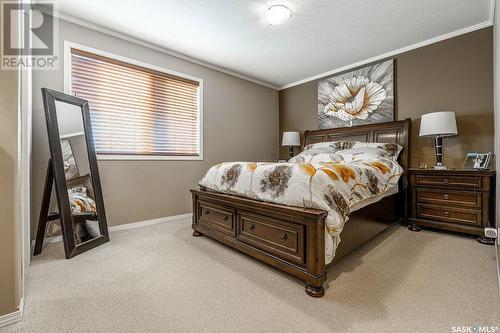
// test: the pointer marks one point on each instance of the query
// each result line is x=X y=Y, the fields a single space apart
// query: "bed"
x=292 y=238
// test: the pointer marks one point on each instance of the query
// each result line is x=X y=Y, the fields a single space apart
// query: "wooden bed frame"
x=292 y=239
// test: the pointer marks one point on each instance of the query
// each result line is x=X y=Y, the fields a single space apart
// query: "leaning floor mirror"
x=73 y=170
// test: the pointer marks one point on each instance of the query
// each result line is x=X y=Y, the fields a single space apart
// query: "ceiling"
x=322 y=35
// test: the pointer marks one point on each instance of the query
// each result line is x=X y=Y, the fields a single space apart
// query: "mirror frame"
x=72 y=249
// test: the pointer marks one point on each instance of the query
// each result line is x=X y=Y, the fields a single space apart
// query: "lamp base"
x=438 y=142
x=440 y=166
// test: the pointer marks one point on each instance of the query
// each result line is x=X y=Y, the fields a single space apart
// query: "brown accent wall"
x=455 y=74
x=240 y=123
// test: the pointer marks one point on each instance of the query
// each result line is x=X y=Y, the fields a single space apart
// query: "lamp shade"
x=438 y=124
x=291 y=139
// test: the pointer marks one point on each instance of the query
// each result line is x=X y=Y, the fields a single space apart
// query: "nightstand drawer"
x=449 y=214
x=448 y=197
x=448 y=181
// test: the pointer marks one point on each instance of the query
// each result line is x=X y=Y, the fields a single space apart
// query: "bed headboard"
x=391 y=132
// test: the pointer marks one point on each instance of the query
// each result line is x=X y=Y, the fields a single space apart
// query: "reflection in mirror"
x=77 y=172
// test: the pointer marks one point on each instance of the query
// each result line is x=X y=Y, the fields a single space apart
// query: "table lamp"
x=438 y=125
x=290 y=140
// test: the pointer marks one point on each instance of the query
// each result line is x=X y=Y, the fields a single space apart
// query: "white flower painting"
x=362 y=96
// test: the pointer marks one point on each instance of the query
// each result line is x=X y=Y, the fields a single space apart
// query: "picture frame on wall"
x=362 y=96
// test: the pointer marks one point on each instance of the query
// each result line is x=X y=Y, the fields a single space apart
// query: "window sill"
x=147 y=158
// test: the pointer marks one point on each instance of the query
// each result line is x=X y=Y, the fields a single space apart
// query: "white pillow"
x=308 y=153
x=387 y=150
x=383 y=150
x=361 y=154
x=319 y=158
x=321 y=145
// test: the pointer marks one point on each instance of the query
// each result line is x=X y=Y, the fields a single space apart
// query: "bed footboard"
x=291 y=239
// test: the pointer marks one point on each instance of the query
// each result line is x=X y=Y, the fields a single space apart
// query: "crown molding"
x=128 y=38
x=394 y=53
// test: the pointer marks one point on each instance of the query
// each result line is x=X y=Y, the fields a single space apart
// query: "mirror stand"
x=45 y=217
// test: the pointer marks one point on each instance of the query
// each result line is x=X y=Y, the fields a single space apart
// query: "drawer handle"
x=226 y=218
x=446 y=213
x=283 y=237
x=207 y=211
x=251 y=226
x=446 y=196
x=445 y=180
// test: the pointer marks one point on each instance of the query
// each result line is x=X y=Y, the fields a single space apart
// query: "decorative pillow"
x=319 y=158
x=93 y=228
x=307 y=154
x=361 y=154
x=80 y=202
x=321 y=145
x=385 y=150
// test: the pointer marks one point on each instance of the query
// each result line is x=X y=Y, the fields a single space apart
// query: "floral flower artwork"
x=362 y=96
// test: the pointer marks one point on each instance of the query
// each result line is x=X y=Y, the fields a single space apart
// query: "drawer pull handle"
x=446 y=196
x=446 y=213
x=445 y=180
x=251 y=226
x=207 y=211
x=226 y=218
x=283 y=237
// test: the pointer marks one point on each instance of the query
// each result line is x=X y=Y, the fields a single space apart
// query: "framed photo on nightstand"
x=482 y=161
x=479 y=161
x=470 y=159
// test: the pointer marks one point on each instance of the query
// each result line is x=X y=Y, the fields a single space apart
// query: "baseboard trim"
x=126 y=226
x=146 y=223
x=13 y=317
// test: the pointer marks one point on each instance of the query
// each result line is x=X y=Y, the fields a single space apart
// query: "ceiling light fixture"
x=278 y=14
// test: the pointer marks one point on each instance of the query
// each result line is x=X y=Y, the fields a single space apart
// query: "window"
x=137 y=111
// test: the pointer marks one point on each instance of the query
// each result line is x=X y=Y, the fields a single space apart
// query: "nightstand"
x=459 y=200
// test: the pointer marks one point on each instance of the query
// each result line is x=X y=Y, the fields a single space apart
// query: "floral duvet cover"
x=333 y=186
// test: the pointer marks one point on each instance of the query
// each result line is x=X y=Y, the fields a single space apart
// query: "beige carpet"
x=160 y=278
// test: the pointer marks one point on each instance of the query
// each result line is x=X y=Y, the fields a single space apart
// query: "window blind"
x=136 y=110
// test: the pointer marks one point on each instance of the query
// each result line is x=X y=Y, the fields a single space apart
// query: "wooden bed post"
x=316 y=257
